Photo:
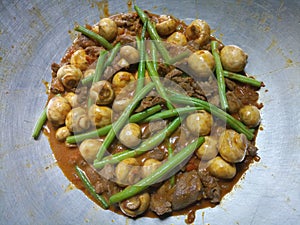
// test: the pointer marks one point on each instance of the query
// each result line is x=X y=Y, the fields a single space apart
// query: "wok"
x=33 y=34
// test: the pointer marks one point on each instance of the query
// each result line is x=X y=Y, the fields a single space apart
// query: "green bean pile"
x=133 y=108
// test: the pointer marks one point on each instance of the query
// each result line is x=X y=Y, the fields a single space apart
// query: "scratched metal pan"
x=33 y=34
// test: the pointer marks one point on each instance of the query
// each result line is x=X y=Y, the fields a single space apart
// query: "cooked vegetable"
x=89 y=148
x=166 y=26
x=130 y=54
x=94 y=36
x=170 y=154
x=158 y=174
x=177 y=38
x=78 y=59
x=104 y=130
x=107 y=28
x=130 y=135
x=39 y=124
x=242 y=78
x=202 y=63
x=72 y=98
x=100 y=116
x=77 y=120
x=199 y=123
x=199 y=31
x=220 y=76
x=208 y=150
x=232 y=146
x=127 y=172
x=102 y=93
x=57 y=110
x=69 y=76
x=145 y=146
x=135 y=205
x=100 y=67
x=90 y=188
x=218 y=167
x=233 y=58
x=250 y=115
x=150 y=165
x=121 y=121
x=121 y=81
x=62 y=133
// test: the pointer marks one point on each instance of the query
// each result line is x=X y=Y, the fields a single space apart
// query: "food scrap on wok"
x=150 y=116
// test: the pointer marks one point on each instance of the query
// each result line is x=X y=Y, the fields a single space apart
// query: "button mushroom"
x=128 y=172
x=57 y=110
x=149 y=166
x=250 y=115
x=77 y=120
x=89 y=149
x=88 y=73
x=130 y=135
x=199 y=123
x=208 y=150
x=202 y=63
x=72 y=99
x=177 y=38
x=100 y=116
x=107 y=28
x=121 y=103
x=233 y=58
x=102 y=93
x=218 y=167
x=135 y=205
x=199 y=31
x=166 y=25
x=130 y=54
x=69 y=76
x=78 y=59
x=121 y=80
x=232 y=146
x=62 y=133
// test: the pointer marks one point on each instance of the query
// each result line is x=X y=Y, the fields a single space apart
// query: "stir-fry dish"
x=150 y=116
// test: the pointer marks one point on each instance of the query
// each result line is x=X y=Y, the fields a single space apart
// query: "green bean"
x=170 y=154
x=158 y=174
x=153 y=34
x=179 y=57
x=158 y=85
x=154 y=55
x=147 y=145
x=242 y=78
x=94 y=36
x=220 y=76
x=122 y=120
x=110 y=59
x=104 y=130
x=81 y=174
x=39 y=124
x=234 y=123
x=170 y=113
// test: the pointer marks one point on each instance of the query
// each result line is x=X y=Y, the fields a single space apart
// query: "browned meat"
x=148 y=102
x=55 y=67
x=211 y=188
x=56 y=86
x=252 y=150
x=231 y=85
x=83 y=41
x=160 y=202
x=187 y=191
x=234 y=102
x=153 y=127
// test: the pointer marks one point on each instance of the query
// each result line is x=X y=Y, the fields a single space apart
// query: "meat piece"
x=252 y=150
x=153 y=127
x=56 y=86
x=93 y=53
x=160 y=201
x=55 y=67
x=234 y=102
x=148 y=102
x=211 y=188
x=230 y=84
x=156 y=153
x=83 y=41
x=187 y=191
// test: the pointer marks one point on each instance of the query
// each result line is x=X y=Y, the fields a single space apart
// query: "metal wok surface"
x=33 y=34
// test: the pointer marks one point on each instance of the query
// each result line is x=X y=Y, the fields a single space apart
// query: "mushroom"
x=121 y=103
x=77 y=120
x=232 y=146
x=130 y=54
x=102 y=93
x=233 y=58
x=199 y=31
x=130 y=135
x=208 y=150
x=135 y=205
x=69 y=76
x=107 y=28
x=250 y=115
x=88 y=73
x=202 y=62
x=199 y=123
x=62 y=133
x=78 y=59
x=149 y=166
x=218 y=167
x=72 y=99
x=100 y=116
x=57 y=110
x=128 y=172
x=121 y=80
x=177 y=38
x=89 y=149
x=166 y=25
